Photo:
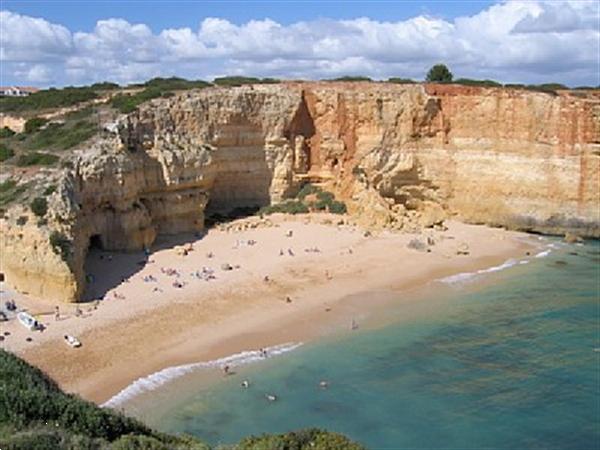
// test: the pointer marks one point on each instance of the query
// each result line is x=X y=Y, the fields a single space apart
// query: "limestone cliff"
x=401 y=156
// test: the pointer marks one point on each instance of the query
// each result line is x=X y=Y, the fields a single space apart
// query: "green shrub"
x=61 y=245
x=233 y=81
x=22 y=220
x=174 y=84
x=337 y=207
x=482 y=83
x=32 y=125
x=287 y=207
x=51 y=189
x=127 y=103
x=104 y=86
x=307 y=189
x=401 y=81
x=7 y=185
x=6 y=132
x=5 y=152
x=47 y=99
x=10 y=191
x=137 y=442
x=351 y=78
x=325 y=196
x=36 y=159
x=62 y=136
x=439 y=74
x=309 y=439
x=39 y=206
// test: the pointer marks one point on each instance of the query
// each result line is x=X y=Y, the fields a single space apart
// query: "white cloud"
x=528 y=41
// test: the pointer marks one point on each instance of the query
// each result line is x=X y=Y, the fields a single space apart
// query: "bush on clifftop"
x=439 y=74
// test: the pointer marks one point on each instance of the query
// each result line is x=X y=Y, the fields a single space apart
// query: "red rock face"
x=511 y=157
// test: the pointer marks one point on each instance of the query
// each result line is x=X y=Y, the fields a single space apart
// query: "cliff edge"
x=400 y=156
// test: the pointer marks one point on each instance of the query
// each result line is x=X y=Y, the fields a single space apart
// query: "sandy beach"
x=235 y=291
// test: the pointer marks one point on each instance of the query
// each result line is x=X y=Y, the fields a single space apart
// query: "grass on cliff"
x=10 y=191
x=233 y=81
x=48 y=99
x=5 y=152
x=36 y=159
x=154 y=88
x=62 y=136
x=36 y=415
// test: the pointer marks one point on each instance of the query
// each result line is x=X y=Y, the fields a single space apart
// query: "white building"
x=17 y=91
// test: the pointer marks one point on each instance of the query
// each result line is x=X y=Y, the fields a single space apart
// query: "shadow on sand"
x=106 y=270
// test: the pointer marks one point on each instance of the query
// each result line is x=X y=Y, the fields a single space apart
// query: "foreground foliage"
x=36 y=415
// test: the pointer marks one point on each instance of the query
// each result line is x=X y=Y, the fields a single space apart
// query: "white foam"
x=543 y=254
x=465 y=276
x=157 y=379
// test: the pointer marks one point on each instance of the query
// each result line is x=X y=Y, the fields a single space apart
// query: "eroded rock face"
x=401 y=156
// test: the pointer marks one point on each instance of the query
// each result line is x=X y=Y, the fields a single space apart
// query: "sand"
x=142 y=325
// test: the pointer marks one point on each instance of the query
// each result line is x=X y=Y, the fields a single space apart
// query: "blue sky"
x=47 y=43
x=163 y=14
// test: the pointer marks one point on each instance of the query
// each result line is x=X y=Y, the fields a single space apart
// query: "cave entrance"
x=95 y=242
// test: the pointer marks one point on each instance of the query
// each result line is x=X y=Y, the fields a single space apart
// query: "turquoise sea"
x=508 y=359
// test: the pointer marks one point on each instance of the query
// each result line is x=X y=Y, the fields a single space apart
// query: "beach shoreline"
x=137 y=331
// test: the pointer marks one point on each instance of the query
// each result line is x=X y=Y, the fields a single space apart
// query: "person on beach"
x=288 y=300
x=280 y=252
x=56 y=313
x=226 y=370
x=290 y=252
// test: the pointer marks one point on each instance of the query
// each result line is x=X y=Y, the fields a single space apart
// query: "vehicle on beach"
x=28 y=321
x=72 y=341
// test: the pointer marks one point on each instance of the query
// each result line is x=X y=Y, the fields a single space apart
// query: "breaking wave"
x=157 y=379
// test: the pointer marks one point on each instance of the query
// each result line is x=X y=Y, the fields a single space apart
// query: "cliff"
x=401 y=156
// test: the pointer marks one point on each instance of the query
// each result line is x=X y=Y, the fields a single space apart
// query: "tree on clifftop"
x=439 y=74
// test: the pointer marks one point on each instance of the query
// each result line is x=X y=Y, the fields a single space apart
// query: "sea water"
x=506 y=362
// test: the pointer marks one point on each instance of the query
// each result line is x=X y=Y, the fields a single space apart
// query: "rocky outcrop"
x=401 y=156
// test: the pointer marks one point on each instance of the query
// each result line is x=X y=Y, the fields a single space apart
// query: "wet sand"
x=141 y=327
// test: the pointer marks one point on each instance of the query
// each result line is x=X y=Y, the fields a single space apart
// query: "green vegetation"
x=307 y=189
x=48 y=99
x=319 y=200
x=62 y=136
x=240 y=81
x=286 y=207
x=61 y=245
x=36 y=159
x=154 y=88
x=6 y=132
x=439 y=74
x=39 y=206
x=351 y=78
x=483 y=83
x=310 y=439
x=127 y=103
x=5 y=152
x=50 y=190
x=22 y=220
x=33 y=125
x=36 y=415
x=401 y=81
x=104 y=86
x=10 y=191
x=175 y=84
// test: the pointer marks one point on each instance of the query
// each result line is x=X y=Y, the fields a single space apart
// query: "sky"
x=58 y=43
